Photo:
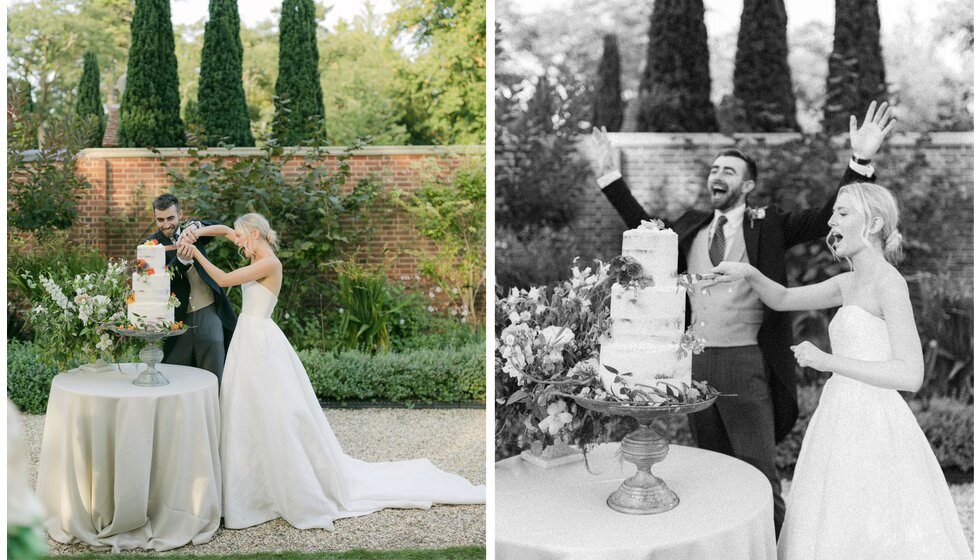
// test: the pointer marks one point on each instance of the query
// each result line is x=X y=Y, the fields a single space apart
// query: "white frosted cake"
x=150 y=302
x=648 y=322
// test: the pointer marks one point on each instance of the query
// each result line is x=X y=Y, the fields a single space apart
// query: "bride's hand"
x=185 y=250
x=732 y=271
x=808 y=355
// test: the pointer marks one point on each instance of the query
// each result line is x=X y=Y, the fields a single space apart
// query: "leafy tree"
x=366 y=101
x=675 y=87
x=150 y=110
x=856 y=69
x=89 y=102
x=221 y=97
x=299 y=97
x=444 y=95
x=607 y=104
x=762 y=78
x=22 y=119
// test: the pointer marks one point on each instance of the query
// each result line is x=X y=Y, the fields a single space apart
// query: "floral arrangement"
x=160 y=326
x=547 y=349
x=69 y=316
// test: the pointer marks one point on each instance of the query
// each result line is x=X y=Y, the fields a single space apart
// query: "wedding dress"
x=279 y=457
x=867 y=484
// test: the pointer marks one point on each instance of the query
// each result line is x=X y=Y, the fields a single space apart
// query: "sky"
x=253 y=11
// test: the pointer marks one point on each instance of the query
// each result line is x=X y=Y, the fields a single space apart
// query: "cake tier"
x=152 y=313
x=649 y=363
x=653 y=304
x=154 y=255
x=656 y=251
x=151 y=288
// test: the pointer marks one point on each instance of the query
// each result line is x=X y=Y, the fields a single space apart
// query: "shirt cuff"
x=182 y=261
x=866 y=170
x=608 y=179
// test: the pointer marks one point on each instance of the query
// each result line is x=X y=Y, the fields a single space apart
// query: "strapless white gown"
x=867 y=484
x=279 y=457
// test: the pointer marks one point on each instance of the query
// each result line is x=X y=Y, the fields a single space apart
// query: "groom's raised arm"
x=811 y=224
x=611 y=182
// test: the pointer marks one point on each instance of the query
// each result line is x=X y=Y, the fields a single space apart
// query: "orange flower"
x=132 y=298
x=175 y=327
x=152 y=242
x=150 y=272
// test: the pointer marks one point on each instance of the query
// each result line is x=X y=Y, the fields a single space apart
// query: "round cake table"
x=127 y=467
x=725 y=510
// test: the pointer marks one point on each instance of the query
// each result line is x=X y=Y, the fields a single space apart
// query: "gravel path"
x=453 y=439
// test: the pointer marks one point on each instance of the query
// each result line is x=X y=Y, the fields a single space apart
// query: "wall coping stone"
x=112 y=153
x=712 y=139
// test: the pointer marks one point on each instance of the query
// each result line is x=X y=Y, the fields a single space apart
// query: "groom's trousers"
x=202 y=346
x=740 y=426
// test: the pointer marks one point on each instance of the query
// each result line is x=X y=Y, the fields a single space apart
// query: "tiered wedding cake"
x=648 y=316
x=150 y=305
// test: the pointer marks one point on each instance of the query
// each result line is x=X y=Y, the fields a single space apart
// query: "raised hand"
x=602 y=152
x=878 y=122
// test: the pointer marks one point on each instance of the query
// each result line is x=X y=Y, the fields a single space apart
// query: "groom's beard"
x=169 y=233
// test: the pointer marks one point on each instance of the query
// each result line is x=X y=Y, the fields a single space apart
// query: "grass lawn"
x=459 y=553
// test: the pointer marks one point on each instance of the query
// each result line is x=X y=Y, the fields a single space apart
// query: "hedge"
x=418 y=376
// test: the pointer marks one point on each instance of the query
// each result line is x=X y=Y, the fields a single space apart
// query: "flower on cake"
x=151 y=242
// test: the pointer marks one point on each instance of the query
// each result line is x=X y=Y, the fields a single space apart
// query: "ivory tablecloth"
x=725 y=510
x=127 y=467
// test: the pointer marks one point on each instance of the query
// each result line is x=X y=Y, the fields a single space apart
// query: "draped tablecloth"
x=127 y=467
x=725 y=510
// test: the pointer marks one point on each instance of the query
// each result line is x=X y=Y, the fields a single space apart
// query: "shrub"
x=445 y=376
x=366 y=308
x=28 y=380
x=539 y=256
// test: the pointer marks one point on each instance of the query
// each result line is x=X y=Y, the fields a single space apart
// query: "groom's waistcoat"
x=727 y=314
x=201 y=295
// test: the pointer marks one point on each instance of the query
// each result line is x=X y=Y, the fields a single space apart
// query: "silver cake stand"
x=151 y=354
x=643 y=493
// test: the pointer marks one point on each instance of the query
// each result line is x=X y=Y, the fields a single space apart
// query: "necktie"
x=717 y=250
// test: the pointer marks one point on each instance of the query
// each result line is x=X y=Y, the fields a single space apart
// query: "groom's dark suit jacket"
x=766 y=242
x=181 y=286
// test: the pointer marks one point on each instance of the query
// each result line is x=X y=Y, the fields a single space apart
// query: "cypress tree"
x=675 y=89
x=89 y=102
x=856 y=69
x=150 y=111
x=299 y=97
x=762 y=78
x=21 y=119
x=607 y=103
x=221 y=97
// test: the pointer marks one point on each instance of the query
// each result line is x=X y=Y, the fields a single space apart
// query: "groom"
x=748 y=345
x=203 y=304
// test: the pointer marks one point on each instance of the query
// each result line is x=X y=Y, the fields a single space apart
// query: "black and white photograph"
x=734 y=280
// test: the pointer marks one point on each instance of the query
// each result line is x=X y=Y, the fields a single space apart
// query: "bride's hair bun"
x=255 y=221
x=893 y=246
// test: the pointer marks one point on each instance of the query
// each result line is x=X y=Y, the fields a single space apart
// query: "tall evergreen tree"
x=299 y=97
x=89 y=101
x=675 y=88
x=762 y=78
x=150 y=111
x=21 y=119
x=607 y=102
x=856 y=69
x=220 y=95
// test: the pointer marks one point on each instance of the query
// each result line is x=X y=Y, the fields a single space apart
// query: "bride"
x=867 y=484
x=279 y=457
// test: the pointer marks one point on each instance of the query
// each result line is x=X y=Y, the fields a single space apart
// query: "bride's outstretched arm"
x=255 y=271
x=904 y=372
x=778 y=297
x=216 y=230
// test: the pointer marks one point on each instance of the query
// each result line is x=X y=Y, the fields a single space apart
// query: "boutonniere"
x=756 y=214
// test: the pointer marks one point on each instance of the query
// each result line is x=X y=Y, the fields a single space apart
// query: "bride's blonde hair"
x=875 y=201
x=257 y=222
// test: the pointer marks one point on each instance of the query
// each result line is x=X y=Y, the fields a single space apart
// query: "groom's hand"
x=185 y=250
x=878 y=122
x=808 y=355
x=603 y=152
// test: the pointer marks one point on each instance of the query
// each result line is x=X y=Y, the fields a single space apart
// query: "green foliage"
x=607 y=103
x=444 y=90
x=366 y=308
x=221 y=97
x=856 y=68
x=538 y=256
x=675 y=88
x=22 y=120
x=314 y=212
x=28 y=378
x=944 y=315
x=452 y=213
x=762 y=79
x=44 y=186
x=89 y=102
x=439 y=375
x=299 y=97
x=150 y=110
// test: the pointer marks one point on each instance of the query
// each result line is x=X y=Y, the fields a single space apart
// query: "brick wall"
x=116 y=214
x=666 y=174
